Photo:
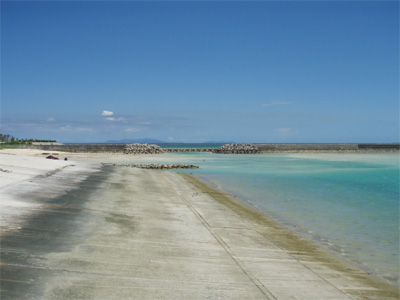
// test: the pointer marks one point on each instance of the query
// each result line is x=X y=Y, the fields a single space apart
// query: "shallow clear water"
x=349 y=203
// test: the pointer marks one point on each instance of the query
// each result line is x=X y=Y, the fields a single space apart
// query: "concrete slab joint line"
x=246 y=271
x=308 y=268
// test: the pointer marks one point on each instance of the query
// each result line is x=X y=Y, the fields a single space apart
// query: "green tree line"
x=9 y=139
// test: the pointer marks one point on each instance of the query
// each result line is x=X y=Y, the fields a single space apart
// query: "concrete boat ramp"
x=127 y=233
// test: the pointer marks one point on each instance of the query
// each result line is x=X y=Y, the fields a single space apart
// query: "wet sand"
x=92 y=231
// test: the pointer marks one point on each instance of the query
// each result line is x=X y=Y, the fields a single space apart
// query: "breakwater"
x=263 y=148
x=111 y=148
x=177 y=150
x=142 y=149
x=379 y=146
x=307 y=147
x=106 y=148
x=238 y=149
x=271 y=148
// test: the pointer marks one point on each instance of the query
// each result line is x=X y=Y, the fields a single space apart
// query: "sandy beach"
x=79 y=229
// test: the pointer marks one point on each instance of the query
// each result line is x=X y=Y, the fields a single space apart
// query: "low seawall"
x=327 y=147
x=378 y=146
x=307 y=147
x=110 y=148
x=176 y=150
x=264 y=148
x=113 y=148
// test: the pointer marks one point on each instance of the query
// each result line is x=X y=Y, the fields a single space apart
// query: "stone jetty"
x=237 y=149
x=142 y=149
x=159 y=166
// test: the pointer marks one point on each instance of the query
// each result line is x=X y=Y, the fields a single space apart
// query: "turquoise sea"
x=348 y=203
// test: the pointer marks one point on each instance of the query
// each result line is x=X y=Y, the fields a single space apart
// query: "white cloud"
x=277 y=103
x=69 y=128
x=282 y=130
x=83 y=129
x=51 y=120
x=132 y=129
x=66 y=128
x=107 y=113
x=121 y=119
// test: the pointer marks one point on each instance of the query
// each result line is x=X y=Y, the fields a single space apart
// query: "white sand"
x=25 y=172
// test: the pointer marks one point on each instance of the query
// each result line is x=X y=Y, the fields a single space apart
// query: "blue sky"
x=191 y=71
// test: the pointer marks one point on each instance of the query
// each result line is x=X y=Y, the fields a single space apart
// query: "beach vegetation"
x=7 y=139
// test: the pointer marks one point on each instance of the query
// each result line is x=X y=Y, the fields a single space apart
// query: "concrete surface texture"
x=126 y=233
